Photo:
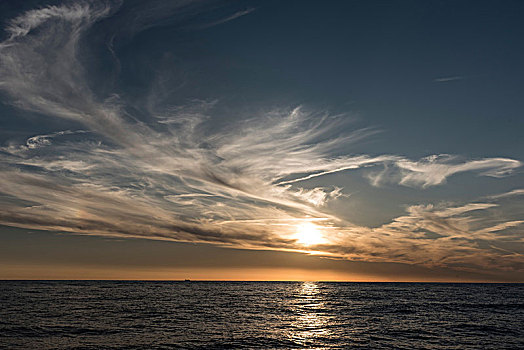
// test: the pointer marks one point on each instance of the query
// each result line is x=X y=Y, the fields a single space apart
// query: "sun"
x=309 y=234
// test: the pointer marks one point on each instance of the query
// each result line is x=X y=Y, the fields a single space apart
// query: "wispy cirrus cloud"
x=466 y=236
x=436 y=169
x=177 y=176
x=45 y=140
x=513 y=193
x=448 y=79
x=229 y=18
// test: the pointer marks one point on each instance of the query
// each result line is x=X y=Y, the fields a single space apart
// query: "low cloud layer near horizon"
x=172 y=172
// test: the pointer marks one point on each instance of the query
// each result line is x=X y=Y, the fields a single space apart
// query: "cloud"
x=45 y=140
x=513 y=193
x=438 y=235
x=101 y=182
x=436 y=169
x=174 y=174
x=447 y=79
x=229 y=18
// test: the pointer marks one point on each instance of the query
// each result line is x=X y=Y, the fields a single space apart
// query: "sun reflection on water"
x=310 y=321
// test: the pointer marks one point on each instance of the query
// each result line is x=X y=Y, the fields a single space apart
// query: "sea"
x=259 y=315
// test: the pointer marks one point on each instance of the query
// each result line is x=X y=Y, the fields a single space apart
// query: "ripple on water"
x=287 y=315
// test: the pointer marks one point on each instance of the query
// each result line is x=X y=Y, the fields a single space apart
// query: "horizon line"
x=261 y=281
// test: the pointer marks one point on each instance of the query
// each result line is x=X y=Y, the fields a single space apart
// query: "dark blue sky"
x=380 y=60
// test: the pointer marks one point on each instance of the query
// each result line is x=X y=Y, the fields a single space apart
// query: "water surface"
x=280 y=315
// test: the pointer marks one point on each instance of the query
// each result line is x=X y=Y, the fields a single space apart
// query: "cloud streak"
x=436 y=169
x=229 y=18
x=448 y=79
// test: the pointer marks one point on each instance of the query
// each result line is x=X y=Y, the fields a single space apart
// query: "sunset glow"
x=309 y=234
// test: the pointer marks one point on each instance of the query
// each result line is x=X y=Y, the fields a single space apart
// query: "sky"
x=262 y=140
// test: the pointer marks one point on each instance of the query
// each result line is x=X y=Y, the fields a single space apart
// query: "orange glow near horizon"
x=59 y=272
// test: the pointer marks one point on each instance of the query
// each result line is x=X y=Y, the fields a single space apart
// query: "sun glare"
x=309 y=234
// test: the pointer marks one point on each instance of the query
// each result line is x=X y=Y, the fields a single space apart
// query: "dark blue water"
x=232 y=315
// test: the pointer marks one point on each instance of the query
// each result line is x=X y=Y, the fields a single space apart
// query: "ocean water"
x=263 y=315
